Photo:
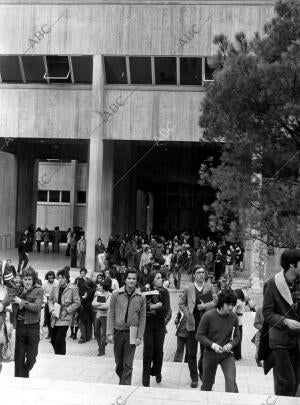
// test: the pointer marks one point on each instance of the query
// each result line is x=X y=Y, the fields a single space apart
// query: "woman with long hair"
x=158 y=307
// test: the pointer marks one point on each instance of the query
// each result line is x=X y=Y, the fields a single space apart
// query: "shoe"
x=81 y=340
x=101 y=354
x=259 y=363
x=194 y=384
x=158 y=378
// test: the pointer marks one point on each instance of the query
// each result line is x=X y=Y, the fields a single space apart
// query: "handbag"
x=8 y=349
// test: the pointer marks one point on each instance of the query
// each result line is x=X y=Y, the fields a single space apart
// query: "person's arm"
x=270 y=316
x=106 y=304
x=202 y=331
x=212 y=304
x=142 y=319
x=111 y=315
x=75 y=302
x=35 y=306
x=257 y=320
x=183 y=303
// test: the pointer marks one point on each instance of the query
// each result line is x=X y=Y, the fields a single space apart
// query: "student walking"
x=126 y=325
x=218 y=331
x=101 y=302
x=81 y=248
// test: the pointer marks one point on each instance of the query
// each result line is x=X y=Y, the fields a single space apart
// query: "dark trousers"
x=181 y=343
x=124 y=355
x=177 y=279
x=38 y=245
x=68 y=249
x=58 y=339
x=85 y=326
x=73 y=257
x=192 y=349
x=154 y=337
x=211 y=360
x=286 y=371
x=100 y=332
x=26 y=348
x=22 y=259
x=47 y=319
x=238 y=348
x=218 y=270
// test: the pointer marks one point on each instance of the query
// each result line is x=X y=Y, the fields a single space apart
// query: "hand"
x=292 y=324
x=227 y=348
x=201 y=307
x=138 y=341
x=63 y=313
x=110 y=339
x=217 y=348
x=17 y=300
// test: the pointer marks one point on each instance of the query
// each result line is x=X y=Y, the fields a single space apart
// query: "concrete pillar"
x=73 y=193
x=99 y=203
x=26 y=193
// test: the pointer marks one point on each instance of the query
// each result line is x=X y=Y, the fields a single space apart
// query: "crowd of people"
x=129 y=303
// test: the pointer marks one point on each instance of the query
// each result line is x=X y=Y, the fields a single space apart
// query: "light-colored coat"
x=70 y=302
x=187 y=303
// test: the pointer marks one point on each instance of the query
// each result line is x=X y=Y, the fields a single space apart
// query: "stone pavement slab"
x=18 y=391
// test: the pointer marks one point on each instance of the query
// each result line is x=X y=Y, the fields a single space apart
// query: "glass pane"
x=82 y=69
x=115 y=69
x=42 y=195
x=10 y=69
x=140 y=70
x=165 y=70
x=58 y=66
x=54 y=196
x=65 y=196
x=191 y=71
x=208 y=69
x=34 y=69
x=81 y=197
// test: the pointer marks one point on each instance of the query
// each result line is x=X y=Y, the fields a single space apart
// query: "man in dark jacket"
x=281 y=310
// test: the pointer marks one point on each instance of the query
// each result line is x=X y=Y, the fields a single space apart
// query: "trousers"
x=26 y=348
x=124 y=355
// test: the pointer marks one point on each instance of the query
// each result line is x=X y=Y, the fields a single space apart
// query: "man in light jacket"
x=63 y=302
x=281 y=310
x=126 y=316
x=195 y=301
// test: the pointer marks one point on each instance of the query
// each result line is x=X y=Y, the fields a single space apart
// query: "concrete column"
x=107 y=191
x=95 y=206
x=73 y=193
x=26 y=193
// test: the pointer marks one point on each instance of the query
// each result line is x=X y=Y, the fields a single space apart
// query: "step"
x=250 y=380
x=57 y=391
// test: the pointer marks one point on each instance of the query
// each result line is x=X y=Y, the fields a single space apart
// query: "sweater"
x=217 y=328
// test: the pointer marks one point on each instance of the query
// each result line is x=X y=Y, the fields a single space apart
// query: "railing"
x=5 y=241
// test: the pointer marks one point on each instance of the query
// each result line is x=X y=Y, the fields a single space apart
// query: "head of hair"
x=106 y=284
x=288 y=257
x=197 y=267
x=152 y=276
x=239 y=294
x=227 y=297
x=131 y=270
x=49 y=273
x=30 y=272
x=83 y=270
x=64 y=273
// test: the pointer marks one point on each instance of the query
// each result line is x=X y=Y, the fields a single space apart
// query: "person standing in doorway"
x=23 y=253
x=69 y=237
x=63 y=302
x=57 y=239
x=218 y=331
x=38 y=239
x=81 y=249
x=126 y=325
x=281 y=311
x=195 y=301
x=46 y=237
x=73 y=250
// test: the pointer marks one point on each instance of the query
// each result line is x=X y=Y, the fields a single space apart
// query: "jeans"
x=124 y=355
x=85 y=326
x=154 y=337
x=211 y=360
x=82 y=259
x=192 y=349
x=58 y=339
x=38 y=245
x=100 y=332
x=26 y=348
x=177 y=279
x=181 y=343
x=286 y=371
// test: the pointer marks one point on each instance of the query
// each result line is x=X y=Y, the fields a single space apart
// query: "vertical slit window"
x=140 y=70
x=191 y=71
x=10 y=69
x=115 y=69
x=165 y=70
